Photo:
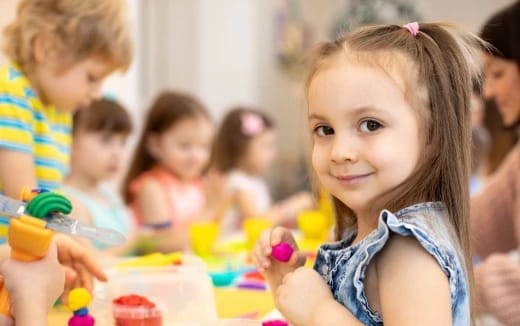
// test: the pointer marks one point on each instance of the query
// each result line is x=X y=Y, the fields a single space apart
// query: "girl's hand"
x=272 y=269
x=80 y=262
x=38 y=283
x=300 y=294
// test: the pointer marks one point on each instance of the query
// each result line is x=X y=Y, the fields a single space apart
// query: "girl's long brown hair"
x=438 y=67
x=168 y=109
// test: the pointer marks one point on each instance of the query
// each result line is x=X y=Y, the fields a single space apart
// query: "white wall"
x=228 y=53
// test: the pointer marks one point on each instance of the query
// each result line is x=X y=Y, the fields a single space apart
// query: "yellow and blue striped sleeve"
x=16 y=123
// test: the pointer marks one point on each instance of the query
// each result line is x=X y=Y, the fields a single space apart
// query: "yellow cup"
x=253 y=228
x=313 y=224
x=202 y=237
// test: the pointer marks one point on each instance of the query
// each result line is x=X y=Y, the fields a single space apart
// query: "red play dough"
x=136 y=310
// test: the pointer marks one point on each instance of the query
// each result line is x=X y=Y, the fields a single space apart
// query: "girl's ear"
x=153 y=145
x=42 y=46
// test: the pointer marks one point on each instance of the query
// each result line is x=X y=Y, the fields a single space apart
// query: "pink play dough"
x=282 y=251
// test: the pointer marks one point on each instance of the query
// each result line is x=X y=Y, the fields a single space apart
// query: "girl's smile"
x=353 y=179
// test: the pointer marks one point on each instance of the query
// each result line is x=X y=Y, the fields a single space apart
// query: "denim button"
x=325 y=269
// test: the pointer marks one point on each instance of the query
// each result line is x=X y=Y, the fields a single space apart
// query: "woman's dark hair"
x=502 y=31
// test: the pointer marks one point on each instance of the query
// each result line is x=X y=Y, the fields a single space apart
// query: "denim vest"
x=343 y=266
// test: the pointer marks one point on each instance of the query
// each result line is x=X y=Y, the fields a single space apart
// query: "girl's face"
x=366 y=137
x=97 y=155
x=184 y=148
x=502 y=83
x=73 y=88
x=260 y=153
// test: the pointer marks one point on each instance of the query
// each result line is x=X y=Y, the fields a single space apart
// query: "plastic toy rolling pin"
x=32 y=222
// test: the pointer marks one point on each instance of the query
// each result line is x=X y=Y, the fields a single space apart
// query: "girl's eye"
x=323 y=131
x=369 y=126
x=497 y=74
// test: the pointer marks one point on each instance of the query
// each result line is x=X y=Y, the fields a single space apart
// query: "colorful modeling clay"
x=86 y=320
x=282 y=251
x=78 y=300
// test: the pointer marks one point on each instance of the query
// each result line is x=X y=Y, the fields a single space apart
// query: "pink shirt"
x=185 y=200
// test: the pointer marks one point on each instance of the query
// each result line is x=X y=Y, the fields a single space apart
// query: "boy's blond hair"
x=81 y=29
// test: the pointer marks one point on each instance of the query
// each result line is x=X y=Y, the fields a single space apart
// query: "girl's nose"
x=96 y=93
x=344 y=151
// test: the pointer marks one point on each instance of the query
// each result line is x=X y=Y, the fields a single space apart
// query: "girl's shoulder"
x=403 y=272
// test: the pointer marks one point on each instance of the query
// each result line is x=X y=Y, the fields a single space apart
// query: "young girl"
x=60 y=52
x=244 y=149
x=164 y=184
x=388 y=107
x=99 y=132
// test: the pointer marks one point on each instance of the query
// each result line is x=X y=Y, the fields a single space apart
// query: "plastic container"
x=183 y=293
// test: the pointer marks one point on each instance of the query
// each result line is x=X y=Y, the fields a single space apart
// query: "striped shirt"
x=29 y=126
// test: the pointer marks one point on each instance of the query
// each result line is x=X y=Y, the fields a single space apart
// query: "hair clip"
x=251 y=124
x=413 y=28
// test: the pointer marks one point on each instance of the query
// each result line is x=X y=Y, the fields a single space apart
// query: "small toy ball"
x=282 y=251
x=275 y=322
x=79 y=298
x=86 y=320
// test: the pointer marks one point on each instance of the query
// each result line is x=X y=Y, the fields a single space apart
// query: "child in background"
x=165 y=185
x=60 y=52
x=99 y=136
x=389 y=110
x=244 y=149
x=31 y=301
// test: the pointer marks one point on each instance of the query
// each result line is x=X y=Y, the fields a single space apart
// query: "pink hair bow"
x=413 y=28
x=251 y=124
